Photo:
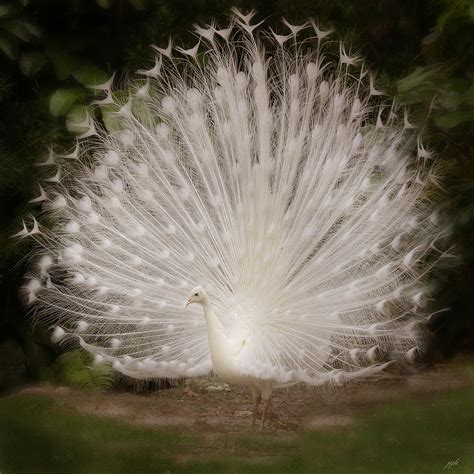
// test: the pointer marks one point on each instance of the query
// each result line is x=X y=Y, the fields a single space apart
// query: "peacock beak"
x=188 y=303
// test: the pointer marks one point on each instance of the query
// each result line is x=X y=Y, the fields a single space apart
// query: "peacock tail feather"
x=266 y=169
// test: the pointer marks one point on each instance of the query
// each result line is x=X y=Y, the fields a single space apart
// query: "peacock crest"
x=269 y=173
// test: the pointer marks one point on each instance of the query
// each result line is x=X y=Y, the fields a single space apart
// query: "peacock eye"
x=196 y=294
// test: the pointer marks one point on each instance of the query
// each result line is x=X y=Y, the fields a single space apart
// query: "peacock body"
x=278 y=182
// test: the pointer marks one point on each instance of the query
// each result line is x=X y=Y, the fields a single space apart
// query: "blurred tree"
x=443 y=83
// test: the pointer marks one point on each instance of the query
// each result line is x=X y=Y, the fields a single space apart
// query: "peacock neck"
x=214 y=325
x=211 y=318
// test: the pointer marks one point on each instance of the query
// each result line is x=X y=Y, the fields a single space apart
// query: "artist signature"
x=451 y=463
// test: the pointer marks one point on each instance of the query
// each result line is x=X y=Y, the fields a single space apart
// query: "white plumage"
x=274 y=180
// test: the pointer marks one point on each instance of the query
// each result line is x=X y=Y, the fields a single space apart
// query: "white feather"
x=259 y=178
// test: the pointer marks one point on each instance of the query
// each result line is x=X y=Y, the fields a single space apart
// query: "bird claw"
x=188 y=391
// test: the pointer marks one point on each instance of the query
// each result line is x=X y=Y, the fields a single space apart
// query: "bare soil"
x=210 y=407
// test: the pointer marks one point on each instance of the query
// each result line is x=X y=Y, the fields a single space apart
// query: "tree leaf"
x=4 y=10
x=112 y=121
x=34 y=31
x=18 y=29
x=64 y=63
x=416 y=96
x=455 y=118
x=431 y=38
x=450 y=102
x=104 y=3
x=89 y=74
x=75 y=119
x=63 y=99
x=32 y=62
x=416 y=78
x=8 y=45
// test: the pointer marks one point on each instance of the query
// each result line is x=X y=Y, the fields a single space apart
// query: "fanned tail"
x=277 y=181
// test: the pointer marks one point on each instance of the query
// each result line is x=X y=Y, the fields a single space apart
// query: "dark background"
x=50 y=50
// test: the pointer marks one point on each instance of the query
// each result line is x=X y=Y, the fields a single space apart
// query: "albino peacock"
x=263 y=171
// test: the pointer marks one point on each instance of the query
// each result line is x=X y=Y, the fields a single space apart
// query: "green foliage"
x=441 y=87
x=446 y=83
x=31 y=62
x=455 y=118
x=15 y=29
x=89 y=74
x=421 y=76
x=75 y=119
x=63 y=99
x=76 y=369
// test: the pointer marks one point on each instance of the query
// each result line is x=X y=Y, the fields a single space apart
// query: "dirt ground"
x=209 y=406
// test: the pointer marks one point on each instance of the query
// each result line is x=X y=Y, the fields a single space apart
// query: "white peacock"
x=268 y=172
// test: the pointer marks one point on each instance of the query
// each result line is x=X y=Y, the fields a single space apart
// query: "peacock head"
x=198 y=295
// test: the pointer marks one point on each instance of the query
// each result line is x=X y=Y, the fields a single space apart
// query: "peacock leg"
x=257 y=397
x=266 y=403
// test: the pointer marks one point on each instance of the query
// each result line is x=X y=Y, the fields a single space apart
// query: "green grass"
x=408 y=437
